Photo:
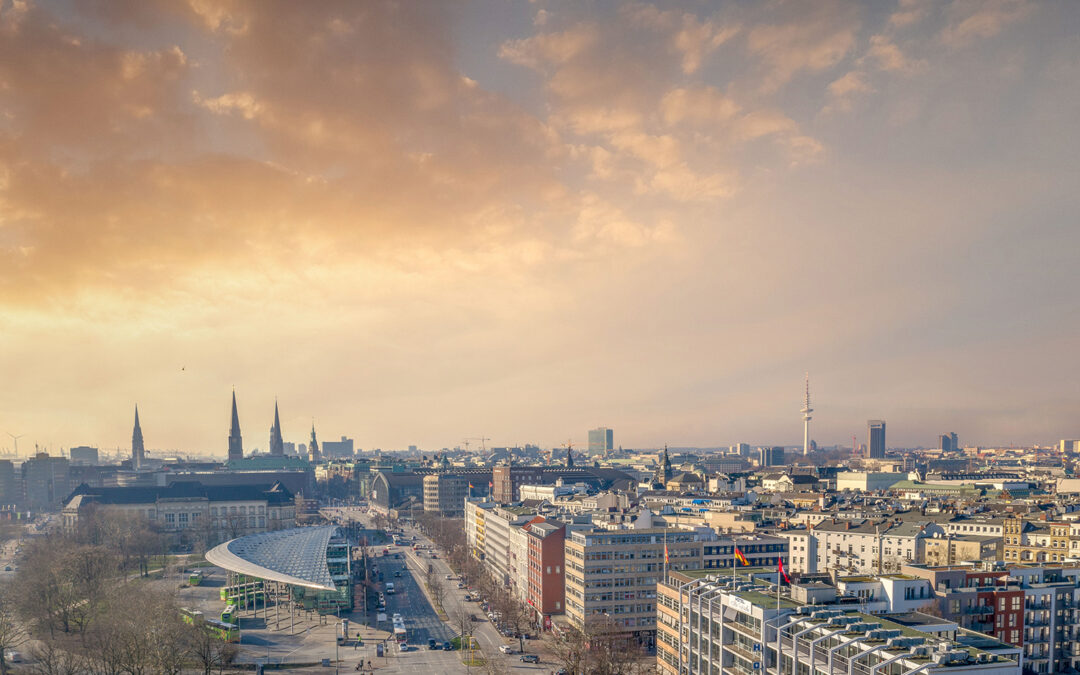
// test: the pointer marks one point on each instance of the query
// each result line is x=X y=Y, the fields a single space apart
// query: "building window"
x=170 y=517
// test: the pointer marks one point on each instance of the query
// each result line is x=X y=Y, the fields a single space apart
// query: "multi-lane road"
x=406 y=601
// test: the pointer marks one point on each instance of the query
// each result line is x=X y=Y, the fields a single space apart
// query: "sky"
x=417 y=223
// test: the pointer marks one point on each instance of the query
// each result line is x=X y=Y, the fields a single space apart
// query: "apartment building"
x=961 y=548
x=445 y=494
x=546 y=572
x=614 y=573
x=1040 y=541
x=476 y=526
x=498 y=524
x=709 y=625
x=860 y=546
x=1036 y=608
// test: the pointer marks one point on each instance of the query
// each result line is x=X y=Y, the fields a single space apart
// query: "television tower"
x=806 y=419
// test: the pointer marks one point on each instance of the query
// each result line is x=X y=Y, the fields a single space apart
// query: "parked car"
x=431 y=643
x=530 y=658
x=447 y=646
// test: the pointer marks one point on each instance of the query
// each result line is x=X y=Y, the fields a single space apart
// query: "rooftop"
x=296 y=556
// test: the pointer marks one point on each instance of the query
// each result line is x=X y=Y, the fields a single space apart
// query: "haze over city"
x=421 y=222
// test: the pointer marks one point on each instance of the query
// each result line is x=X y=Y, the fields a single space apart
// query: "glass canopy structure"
x=297 y=557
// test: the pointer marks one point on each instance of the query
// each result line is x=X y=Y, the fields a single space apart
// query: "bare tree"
x=463 y=619
x=50 y=658
x=437 y=590
x=571 y=651
x=12 y=633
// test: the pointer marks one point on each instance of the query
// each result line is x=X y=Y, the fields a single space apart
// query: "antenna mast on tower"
x=806 y=416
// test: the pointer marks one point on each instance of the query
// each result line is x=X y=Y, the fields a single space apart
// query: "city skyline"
x=518 y=221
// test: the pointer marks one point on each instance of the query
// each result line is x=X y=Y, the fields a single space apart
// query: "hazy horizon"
x=415 y=223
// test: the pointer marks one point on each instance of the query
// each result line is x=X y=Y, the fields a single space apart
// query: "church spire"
x=569 y=459
x=277 y=445
x=236 y=441
x=138 y=452
x=313 y=446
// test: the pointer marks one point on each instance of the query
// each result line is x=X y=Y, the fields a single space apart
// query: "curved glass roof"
x=296 y=556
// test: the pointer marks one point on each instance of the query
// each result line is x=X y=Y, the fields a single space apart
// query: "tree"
x=437 y=590
x=463 y=620
x=50 y=658
x=12 y=633
x=208 y=650
x=570 y=650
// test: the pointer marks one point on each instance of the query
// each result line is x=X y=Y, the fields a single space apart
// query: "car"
x=379 y=649
x=403 y=646
x=449 y=577
x=460 y=585
x=431 y=644
x=396 y=617
x=398 y=573
x=447 y=646
x=530 y=658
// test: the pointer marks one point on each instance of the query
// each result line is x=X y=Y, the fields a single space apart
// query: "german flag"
x=741 y=558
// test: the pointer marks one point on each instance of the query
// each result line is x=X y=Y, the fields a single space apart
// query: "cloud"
x=692 y=38
x=815 y=41
x=971 y=20
x=844 y=89
x=909 y=12
x=703 y=106
x=884 y=53
x=549 y=49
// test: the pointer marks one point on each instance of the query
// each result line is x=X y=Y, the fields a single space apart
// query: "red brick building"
x=547 y=577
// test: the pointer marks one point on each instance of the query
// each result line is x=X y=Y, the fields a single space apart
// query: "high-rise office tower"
x=601 y=440
x=277 y=445
x=138 y=452
x=771 y=456
x=806 y=410
x=236 y=442
x=875 y=444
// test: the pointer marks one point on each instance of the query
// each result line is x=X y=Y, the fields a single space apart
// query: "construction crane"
x=15 y=439
x=483 y=440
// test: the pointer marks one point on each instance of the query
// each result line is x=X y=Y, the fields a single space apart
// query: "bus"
x=229 y=632
x=240 y=589
x=250 y=599
x=400 y=634
x=228 y=615
x=195 y=578
x=190 y=616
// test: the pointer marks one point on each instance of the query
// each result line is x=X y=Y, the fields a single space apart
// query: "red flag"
x=782 y=572
x=666 y=558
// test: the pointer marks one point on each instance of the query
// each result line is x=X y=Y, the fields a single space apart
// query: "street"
x=453 y=601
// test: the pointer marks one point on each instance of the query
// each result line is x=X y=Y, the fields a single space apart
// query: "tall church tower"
x=236 y=442
x=313 y=447
x=138 y=452
x=277 y=445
